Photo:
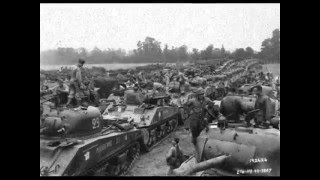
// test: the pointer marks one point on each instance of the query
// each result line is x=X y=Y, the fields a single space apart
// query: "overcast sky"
x=123 y=25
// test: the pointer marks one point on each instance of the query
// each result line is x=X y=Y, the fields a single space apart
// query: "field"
x=274 y=68
x=114 y=66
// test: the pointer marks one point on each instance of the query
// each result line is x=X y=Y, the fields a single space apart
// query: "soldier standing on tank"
x=263 y=103
x=197 y=120
x=76 y=84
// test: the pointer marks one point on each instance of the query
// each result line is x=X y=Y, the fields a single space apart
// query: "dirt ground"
x=153 y=163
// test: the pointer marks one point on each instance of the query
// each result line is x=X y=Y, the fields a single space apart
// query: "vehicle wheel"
x=146 y=139
x=174 y=125
x=181 y=116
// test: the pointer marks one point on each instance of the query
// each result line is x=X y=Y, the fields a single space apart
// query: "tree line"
x=150 y=51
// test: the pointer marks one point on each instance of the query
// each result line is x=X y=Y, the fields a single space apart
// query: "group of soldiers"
x=178 y=82
x=78 y=89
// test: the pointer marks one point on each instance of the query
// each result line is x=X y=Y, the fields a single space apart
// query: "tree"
x=165 y=53
x=239 y=54
x=270 y=48
x=249 y=52
x=223 y=51
x=207 y=53
x=182 y=53
x=195 y=54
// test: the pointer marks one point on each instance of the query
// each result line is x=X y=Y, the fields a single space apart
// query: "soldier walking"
x=198 y=109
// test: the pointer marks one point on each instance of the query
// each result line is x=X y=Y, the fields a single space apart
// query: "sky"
x=123 y=25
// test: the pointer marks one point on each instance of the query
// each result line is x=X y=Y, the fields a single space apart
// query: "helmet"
x=81 y=61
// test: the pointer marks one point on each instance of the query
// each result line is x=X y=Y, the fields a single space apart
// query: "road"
x=153 y=163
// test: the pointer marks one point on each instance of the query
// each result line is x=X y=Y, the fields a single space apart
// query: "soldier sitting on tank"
x=197 y=120
x=174 y=85
x=158 y=88
x=263 y=103
x=60 y=92
x=44 y=89
x=134 y=97
x=175 y=156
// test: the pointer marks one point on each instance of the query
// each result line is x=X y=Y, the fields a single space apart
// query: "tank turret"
x=75 y=142
x=71 y=122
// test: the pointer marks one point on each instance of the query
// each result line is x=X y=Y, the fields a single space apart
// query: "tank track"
x=102 y=165
x=154 y=139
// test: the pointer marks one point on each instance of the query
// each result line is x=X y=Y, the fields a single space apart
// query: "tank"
x=105 y=85
x=251 y=151
x=76 y=143
x=267 y=90
x=153 y=117
x=245 y=104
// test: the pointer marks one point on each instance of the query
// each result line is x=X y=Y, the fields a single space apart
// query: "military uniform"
x=75 y=90
x=263 y=103
x=210 y=92
x=198 y=110
x=134 y=97
x=61 y=93
x=174 y=158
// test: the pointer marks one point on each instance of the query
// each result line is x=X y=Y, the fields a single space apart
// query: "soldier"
x=221 y=90
x=76 y=84
x=88 y=90
x=134 y=96
x=174 y=85
x=263 y=103
x=61 y=92
x=44 y=89
x=158 y=87
x=141 y=78
x=210 y=91
x=198 y=109
x=174 y=156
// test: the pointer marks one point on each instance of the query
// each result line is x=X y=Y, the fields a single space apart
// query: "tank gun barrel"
x=189 y=169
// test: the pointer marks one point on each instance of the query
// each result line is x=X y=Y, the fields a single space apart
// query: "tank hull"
x=156 y=122
x=90 y=155
x=253 y=151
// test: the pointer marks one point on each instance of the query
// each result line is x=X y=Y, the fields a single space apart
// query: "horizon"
x=121 y=26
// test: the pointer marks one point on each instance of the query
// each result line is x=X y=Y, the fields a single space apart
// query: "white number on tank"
x=87 y=155
x=95 y=123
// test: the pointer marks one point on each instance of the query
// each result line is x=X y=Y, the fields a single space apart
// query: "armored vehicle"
x=75 y=142
x=251 y=151
x=153 y=115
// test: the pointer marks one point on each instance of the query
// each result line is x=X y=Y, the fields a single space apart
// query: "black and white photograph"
x=160 y=89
